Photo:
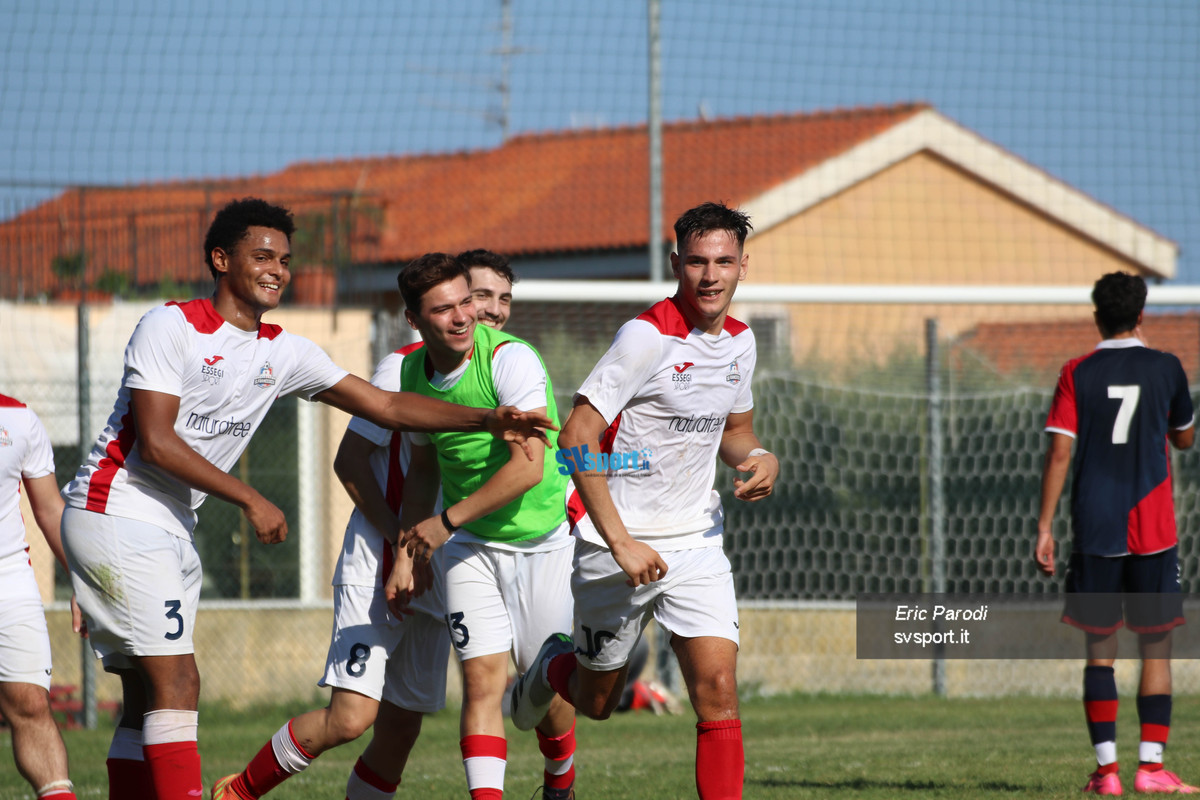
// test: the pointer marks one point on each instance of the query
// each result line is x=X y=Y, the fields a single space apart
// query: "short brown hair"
x=425 y=272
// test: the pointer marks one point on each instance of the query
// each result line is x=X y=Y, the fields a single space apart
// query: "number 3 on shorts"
x=173 y=607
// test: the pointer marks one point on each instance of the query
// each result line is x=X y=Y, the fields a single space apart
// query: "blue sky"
x=1102 y=94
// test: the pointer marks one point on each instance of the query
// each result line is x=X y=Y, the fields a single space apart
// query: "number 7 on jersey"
x=1129 y=396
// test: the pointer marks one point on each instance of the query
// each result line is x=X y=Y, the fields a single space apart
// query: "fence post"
x=84 y=395
x=937 y=499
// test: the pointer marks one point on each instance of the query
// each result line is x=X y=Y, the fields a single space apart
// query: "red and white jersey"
x=24 y=453
x=366 y=558
x=226 y=380
x=665 y=388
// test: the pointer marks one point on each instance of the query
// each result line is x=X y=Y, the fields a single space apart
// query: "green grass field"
x=831 y=746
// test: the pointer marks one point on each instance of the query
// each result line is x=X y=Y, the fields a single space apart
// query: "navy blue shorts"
x=1104 y=593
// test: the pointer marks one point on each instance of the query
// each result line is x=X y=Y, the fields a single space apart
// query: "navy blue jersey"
x=1119 y=402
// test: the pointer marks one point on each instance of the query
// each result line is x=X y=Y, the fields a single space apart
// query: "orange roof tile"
x=1038 y=350
x=572 y=191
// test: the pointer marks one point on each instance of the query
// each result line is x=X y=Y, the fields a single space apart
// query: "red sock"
x=65 y=793
x=265 y=771
x=559 y=752
x=720 y=760
x=484 y=759
x=175 y=770
x=128 y=778
x=364 y=782
x=558 y=675
x=1107 y=769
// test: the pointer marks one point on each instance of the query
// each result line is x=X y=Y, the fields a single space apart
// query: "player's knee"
x=346 y=727
x=26 y=704
x=717 y=690
x=598 y=707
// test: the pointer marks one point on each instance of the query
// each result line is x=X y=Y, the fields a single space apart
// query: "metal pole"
x=83 y=389
x=654 y=124
x=937 y=499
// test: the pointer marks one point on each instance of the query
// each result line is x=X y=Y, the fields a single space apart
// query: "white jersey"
x=665 y=388
x=366 y=558
x=226 y=380
x=24 y=453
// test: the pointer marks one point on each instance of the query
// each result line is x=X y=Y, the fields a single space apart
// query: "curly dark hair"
x=230 y=224
x=1119 y=299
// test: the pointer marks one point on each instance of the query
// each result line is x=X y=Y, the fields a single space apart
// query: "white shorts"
x=499 y=600
x=138 y=586
x=374 y=654
x=24 y=639
x=694 y=599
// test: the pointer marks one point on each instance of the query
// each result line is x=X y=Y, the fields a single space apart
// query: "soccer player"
x=1122 y=403
x=384 y=671
x=199 y=377
x=26 y=458
x=507 y=566
x=671 y=394
x=492 y=280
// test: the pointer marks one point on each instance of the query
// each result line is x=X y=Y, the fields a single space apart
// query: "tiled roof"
x=559 y=192
x=1037 y=350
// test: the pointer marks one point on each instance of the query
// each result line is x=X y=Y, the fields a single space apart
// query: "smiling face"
x=708 y=267
x=252 y=277
x=446 y=322
x=493 y=296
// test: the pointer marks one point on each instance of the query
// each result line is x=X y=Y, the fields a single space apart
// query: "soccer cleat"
x=1161 y=781
x=530 y=697
x=1108 y=784
x=221 y=790
x=555 y=794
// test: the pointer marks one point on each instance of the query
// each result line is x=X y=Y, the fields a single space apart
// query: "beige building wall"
x=921 y=221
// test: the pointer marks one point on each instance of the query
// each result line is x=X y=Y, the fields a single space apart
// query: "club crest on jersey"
x=734 y=375
x=266 y=376
x=210 y=372
x=5 y=439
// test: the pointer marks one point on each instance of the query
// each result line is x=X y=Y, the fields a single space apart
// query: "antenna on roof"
x=499 y=117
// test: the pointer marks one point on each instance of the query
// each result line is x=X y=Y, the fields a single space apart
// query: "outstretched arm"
x=641 y=562
x=1054 y=476
x=738 y=446
x=154 y=416
x=408 y=411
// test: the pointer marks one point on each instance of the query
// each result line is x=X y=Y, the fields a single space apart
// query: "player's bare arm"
x=407 y=411
x=641 y=562
x=154 y=415
x=737 y=443
x=408 y=578
x=518 y=475
x=47 y=504
x=1054 y=476
x=1183 y=439
x=353 y=468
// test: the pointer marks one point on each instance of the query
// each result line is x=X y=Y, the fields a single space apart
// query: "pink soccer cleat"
x=1161 y=781
x=1109 y=784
